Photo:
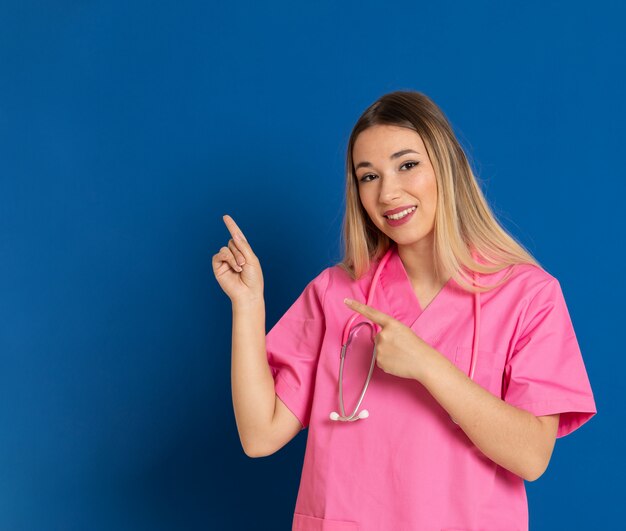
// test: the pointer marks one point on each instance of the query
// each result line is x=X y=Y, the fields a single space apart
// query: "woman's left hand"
x=399 y=351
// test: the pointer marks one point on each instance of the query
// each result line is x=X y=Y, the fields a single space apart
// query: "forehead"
x=380 y=141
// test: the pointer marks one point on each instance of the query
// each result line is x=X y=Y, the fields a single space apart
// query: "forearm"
x=509 y=436
x=251 y=377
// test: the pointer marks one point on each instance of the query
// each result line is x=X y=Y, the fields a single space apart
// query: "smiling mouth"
x=402 y=214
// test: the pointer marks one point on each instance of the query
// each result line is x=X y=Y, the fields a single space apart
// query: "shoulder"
x=339 y=278
x=527 y=288
x=335 y=279
x=330 y=278
x=319 y=283
x=531 y=277
x=526 y=280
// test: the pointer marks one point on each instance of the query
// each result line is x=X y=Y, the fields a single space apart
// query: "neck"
x=419 y=262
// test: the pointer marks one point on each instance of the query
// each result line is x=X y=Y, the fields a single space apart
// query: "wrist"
x=427 y=365
x=251 y=303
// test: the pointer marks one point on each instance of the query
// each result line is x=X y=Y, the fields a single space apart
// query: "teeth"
x=400 y=215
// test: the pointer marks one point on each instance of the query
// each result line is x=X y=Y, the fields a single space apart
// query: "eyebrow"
x=366 y=164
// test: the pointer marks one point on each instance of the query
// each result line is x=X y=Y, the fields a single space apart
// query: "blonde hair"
x=465 y=228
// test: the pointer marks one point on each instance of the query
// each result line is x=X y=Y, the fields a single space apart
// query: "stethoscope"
x=347 y=337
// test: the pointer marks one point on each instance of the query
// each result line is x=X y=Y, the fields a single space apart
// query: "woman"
x=477 y=367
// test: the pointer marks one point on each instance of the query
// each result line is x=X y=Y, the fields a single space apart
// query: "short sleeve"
x=293 y=346
x=546 y=373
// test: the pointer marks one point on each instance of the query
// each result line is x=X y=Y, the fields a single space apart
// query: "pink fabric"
x=408 y=466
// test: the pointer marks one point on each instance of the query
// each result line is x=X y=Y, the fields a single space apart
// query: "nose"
x=389 y=189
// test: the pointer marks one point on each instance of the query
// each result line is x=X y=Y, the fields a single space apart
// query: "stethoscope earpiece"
x=362 y=415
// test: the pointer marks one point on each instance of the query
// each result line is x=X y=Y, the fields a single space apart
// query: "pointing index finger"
x=373 y=314
x=232 y=227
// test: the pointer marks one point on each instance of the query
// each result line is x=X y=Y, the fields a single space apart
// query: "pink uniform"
x=408 y=466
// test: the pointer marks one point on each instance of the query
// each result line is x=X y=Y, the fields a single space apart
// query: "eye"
x=410 y=162
x=365 y=179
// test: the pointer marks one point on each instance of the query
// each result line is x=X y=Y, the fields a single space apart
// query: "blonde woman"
x=434 y=366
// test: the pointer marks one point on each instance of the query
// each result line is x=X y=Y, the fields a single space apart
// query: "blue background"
x=127 y=129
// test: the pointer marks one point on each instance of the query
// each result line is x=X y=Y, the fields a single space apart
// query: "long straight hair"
x=467 y=236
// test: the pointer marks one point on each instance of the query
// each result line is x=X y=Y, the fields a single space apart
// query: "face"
x=388 y=181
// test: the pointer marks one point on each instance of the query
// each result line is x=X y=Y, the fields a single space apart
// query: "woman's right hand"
x=242 y=283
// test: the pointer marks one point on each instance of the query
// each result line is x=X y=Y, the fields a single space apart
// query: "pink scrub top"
x=408 y=466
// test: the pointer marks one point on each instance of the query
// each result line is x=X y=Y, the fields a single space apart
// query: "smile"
x=401 y=217
x=402 y=214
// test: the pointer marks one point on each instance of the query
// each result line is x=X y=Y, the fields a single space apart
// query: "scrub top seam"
x=548 y=282
x=524 y=325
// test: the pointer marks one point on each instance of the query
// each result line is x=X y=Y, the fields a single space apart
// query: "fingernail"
x=241 y=260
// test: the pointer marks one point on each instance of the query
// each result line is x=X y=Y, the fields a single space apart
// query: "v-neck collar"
x=400 y=298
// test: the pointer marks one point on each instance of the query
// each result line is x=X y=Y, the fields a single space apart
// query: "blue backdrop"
x=127 y=129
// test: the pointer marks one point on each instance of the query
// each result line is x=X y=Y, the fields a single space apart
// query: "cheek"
x=427 y=186
x=425 y=190
x=433 y=193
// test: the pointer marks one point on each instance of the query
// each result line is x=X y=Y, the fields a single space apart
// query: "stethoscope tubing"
x=347 y=333
x=344 y=342
x=353 y=416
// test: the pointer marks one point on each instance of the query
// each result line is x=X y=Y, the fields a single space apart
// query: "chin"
x=407 y=241
x=410 y=238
